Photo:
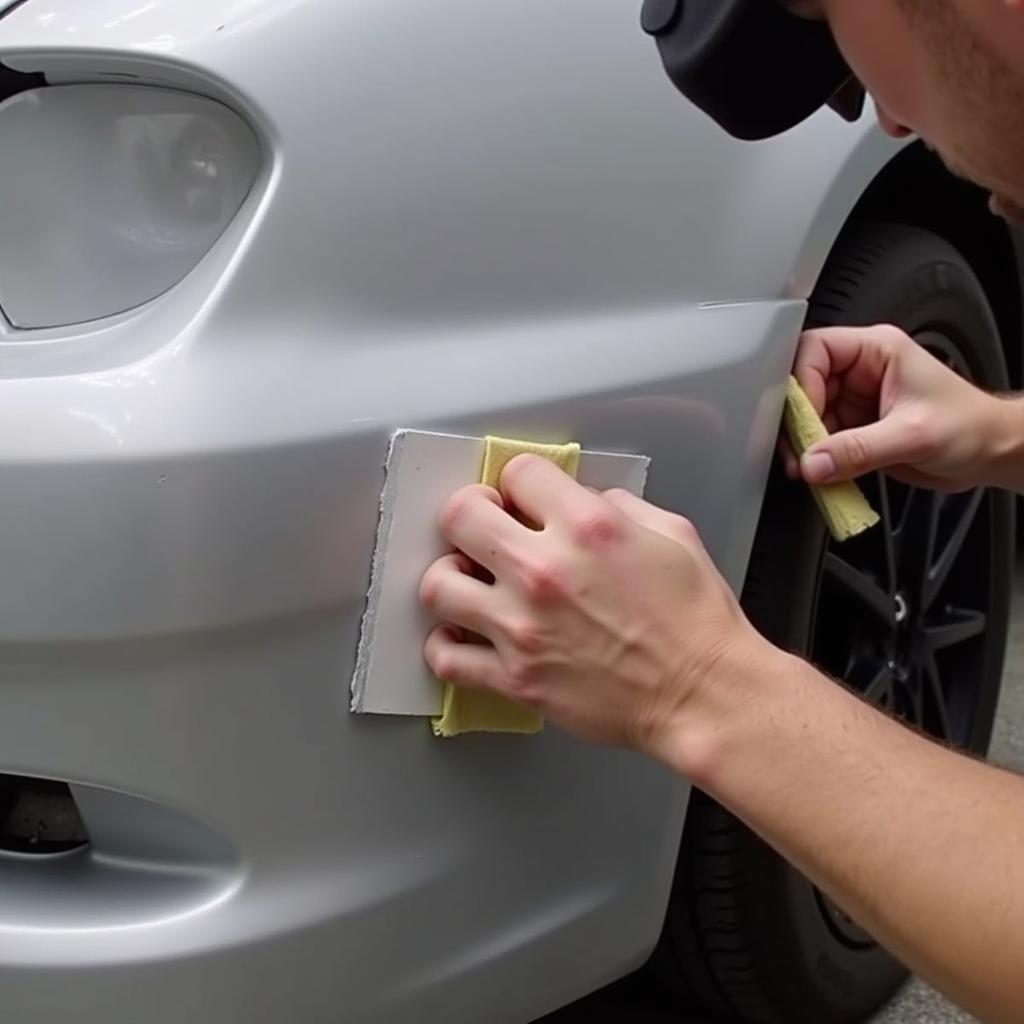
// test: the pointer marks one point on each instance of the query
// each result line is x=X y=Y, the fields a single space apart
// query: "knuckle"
x=684 y=530
x=542 y=580
x=619 y=494
x=525 y=635
x=522 y=682
x=596 y=528
x=892 y=336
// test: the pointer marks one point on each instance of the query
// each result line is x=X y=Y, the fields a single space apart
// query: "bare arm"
x=1006 y=465
x=924 y=848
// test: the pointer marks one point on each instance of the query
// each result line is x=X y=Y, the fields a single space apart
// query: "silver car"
x=242 y=242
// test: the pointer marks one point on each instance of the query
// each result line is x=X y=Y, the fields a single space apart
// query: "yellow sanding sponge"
x=843 y=505
x=467 y=710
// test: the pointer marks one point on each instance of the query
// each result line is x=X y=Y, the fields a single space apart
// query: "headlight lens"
x=110 y=194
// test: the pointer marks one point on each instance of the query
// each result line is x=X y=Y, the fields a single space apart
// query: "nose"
x=890 y=125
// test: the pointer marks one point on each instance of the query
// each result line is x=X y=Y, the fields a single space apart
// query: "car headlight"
x=110 y=194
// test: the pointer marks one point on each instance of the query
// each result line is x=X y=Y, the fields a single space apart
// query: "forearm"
x=1005 y=444
x=924 y=848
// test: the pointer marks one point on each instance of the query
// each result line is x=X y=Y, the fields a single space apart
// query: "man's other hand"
x=892 y=405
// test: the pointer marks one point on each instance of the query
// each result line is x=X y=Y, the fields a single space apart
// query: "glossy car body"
x=458 y=220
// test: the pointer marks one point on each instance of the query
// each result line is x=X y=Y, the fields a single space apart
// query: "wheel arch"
x=915 y=188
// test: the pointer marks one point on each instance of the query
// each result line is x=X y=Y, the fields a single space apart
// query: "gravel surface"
x=916 y=1004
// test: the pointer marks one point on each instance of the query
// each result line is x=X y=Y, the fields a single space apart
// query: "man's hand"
x=605 y=619
x=894 y=406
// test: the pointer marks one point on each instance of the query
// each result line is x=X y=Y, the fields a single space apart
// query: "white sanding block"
x=423 y=470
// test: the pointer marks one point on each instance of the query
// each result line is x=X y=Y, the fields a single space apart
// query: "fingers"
x=668 y=524
x=893 y=441
x=474 y=520
x=451 y=593
x=843 y=371
x=857 y=354
x=546 y=494
x=465 y=664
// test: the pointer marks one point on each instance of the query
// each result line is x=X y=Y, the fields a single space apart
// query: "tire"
x=746 y=935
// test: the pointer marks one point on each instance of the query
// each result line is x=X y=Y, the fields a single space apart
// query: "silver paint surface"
x=465 y=221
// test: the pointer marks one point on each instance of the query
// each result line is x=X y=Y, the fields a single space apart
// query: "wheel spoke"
x=939 y=569
x=860 y=586
x=888 y=530
x=958 y=626
x=931 y=531
x=902 y=517
x=913 y=495
x=931 y=683
x=873 y=680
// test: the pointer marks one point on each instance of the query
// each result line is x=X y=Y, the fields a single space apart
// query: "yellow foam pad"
x=465 y=710
x=846 y=510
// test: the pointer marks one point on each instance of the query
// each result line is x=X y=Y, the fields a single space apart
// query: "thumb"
x=852 y=453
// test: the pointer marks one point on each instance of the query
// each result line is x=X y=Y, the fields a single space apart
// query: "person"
x=612 y=620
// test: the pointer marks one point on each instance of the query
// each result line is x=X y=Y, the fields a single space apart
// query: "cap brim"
x=755 y=68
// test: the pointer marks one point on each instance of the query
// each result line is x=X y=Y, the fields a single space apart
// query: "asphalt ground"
x=916 y=1004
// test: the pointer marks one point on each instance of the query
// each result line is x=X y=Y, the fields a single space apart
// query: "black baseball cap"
x=752 y=65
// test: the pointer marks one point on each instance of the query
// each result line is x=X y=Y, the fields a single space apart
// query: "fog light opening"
x=39 y=817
